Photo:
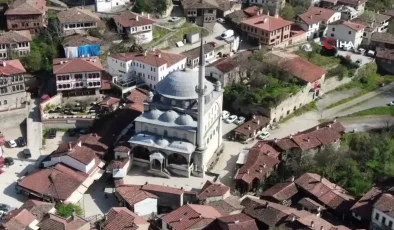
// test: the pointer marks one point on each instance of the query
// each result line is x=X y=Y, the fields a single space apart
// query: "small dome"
x=162 y=142
x=184 y=119
x=170 y=116
x=154 y=114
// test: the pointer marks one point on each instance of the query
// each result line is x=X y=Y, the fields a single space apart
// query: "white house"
x=378 y=24
x=345 y=31
x=77 y=19
x=15 y=42
x=122 y=163
x=139 y=27
x=193 y=55
x=150 y=66
x=140 y=202
x=383 y=213
x=105 y=6
x=347 y=12
x=315 y=21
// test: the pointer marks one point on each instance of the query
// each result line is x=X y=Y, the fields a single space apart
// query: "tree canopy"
x=151 y=6
x=66 y=210
x=287 y=12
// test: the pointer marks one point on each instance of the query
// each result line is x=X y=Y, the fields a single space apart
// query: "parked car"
x=391 y=103
x=221 y=20
x=227 y=34
x=8 y=161
x=240 y=121
x=263 y=135
x=12 y=144
x=27 y=153
x=2 y=213
x=174 y=19
x=21 y=142
x=52 y=133
x=5 y=208
x=231 y=119
x=225 y=114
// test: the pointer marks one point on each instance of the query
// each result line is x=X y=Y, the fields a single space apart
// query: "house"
x=228 y=70
x=266 y=30
x=251 y=128
x=227 y=7
x=120 y=218
x=363 y=209
x=77 y=19
x=200 y=11
x=140 y=202
x=133 y=24
x=389 y=12
x=121 y=165
x=12 y=84
x=193 y=55
x=347 y=12
x=52 y=221
x=229 y=206
x=379 y=24
x=169 y=196
x=358 y=5
x=331 y=195
x=151 y=66
x=78 y=76
x=272 y=215
x=259 y=163
x=109 y=104
x=38 y=208
x=81 y=45
x=383 y=214
x=190 y=216
x=238 y=16
x=14 y=42
x=315 y=21
x=105 y=6
x=346 y=31
x=273 y=7
x=382 y=40
x=235 y=221
x=213 y=191
x=329 y=4
x=281 y=193
x=311 y=206
x=26 y=15
x=384 y=59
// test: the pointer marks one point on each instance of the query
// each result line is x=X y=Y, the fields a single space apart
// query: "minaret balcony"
x=201 y=91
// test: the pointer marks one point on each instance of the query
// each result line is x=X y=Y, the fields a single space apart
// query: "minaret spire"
x=200 y=89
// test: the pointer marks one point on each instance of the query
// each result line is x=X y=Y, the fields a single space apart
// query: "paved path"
x=34 y=129
x=59 y=3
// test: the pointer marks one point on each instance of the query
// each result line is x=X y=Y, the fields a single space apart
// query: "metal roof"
x=158 y=142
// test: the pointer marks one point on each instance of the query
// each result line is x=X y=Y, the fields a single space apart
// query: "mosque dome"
x=154 y=114
x=169 y=116
x=184 y=119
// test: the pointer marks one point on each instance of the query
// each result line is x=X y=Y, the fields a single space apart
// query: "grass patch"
x=159 y=32
x=367 y=79
x=6 y=1
x=319 y=59
x=384 y=110
x=52 y=14
x=307 y=108
x=187 y=28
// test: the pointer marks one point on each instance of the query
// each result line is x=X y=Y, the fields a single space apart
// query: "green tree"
x=287 y=12
x=141 y=6
x=66 y=210
x=390 y=29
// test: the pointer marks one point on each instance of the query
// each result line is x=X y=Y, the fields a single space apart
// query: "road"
x=34 y=129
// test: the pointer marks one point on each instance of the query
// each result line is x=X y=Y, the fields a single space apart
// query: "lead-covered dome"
x=184 y=119
x=181 y=85
x=169 y=116
x=154 y=114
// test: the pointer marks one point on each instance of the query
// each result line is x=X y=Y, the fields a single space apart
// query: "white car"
x=221 y=20
x=391 y=103
x=239 y=121
x=11 y=143
x=231 y=119
x=263 y=136
x=227 y=34
x=225 y=114
x=174 y=19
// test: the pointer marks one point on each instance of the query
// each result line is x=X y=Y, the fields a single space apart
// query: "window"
x=332 y=35
x=384 y=220
x=333 y=28
x=5 y=102
x=350 y=32
x=390 y=224
x=377 y=216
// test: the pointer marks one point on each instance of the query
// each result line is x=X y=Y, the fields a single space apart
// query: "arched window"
x=185 y=136
x=165 y=133
x=155 y=130
x=146 y=128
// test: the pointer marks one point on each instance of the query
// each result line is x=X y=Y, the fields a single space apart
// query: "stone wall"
x=67 y=123
x=12 y=118
x=333 y=82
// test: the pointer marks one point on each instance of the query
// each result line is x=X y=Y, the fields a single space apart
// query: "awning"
x=243 y=156
x=157 y=156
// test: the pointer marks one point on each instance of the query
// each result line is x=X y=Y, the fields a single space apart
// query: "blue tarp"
x=88 y=50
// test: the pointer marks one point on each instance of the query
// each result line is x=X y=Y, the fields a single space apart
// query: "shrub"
x=66 y=210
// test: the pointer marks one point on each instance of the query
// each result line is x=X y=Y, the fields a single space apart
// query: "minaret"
x=200 y=89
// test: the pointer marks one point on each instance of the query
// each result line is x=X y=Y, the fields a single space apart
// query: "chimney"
x=291 y=136
x=321 y=178
x=292 y=178
x=335 y=120
x=308 y=139
x=258 y=122
x=268 y=153
x=265 y=20
x=236 y=222
x=247 y=172
x=61 y=63
x=319 y=209
x=275 y=139
x=260 y=170
x=267 y=204
x=254 y=117
x=322 y=228
x=321 y=12
x=4 y=63
x=293 y=218
x=136 y=18
x=312 y=224
x=159 y=55
x=248 y=127
x=264 y=165
x=145 y=53
x=317 y=127
x=74 y=213
x=69 y=146
x=329 y=126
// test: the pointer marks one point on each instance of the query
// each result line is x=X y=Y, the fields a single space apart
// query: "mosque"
x=180 y=129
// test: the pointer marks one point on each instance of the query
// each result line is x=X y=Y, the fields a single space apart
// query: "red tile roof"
x=11 y=67
x=315 y=15
x=251 y=11
x=131 y=19
x=133 y=194
x=162 y=189
x=122 y=147
x=239 y=221
x=212 y=189
x=15 y=36
x=58 y=182
x=117 y=164
x=119 y=218
x=261 y=160
x=76 y=65
x=25 y=7
x=267 y=23
x=109 y=101
x=38 y=208
x=17 y=219
x=51 y=222
x=385 y=204
x=227 y=64
x=326 y=192
x=351 y=25
x=154 y=58
x=137 y=97
x=281 y=191
x=253 y=125
x=191 y=215
x=227 y=206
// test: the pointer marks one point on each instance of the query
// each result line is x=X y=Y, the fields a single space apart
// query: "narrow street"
x=34 y=129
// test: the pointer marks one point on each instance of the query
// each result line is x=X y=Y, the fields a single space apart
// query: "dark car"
x=27 y=153
x=21 y=142
x=52 y=133
x=8 y=161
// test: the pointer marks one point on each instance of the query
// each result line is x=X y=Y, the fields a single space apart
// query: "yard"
x=159 y=32
x=318 y=59
x=383 y=110
x=187 y=28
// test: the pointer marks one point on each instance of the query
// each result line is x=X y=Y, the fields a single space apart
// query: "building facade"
x=133 y=24
x=151 y=66
x=14 y=43
x=345 y=31
x=26 y=15
x=12 y=84
x=273 y=6
x=105 y=6
x=77 y=19
x=193 y=56
x=200 y=11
